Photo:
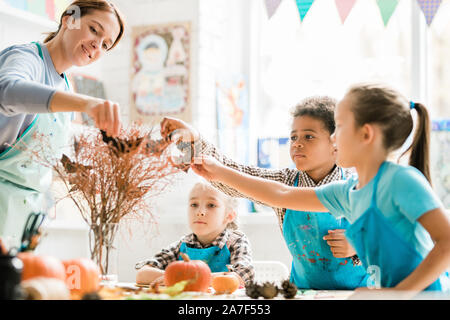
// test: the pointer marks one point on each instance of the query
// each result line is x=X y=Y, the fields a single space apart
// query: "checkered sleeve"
x=162 y=259
x=241 y=256
x=286 y=176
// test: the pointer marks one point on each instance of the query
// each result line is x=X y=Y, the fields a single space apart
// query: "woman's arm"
x=105 y=114
x=437 y=223
x=273 y=193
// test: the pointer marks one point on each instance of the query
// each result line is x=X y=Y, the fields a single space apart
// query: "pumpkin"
x=82 y=276
x=196 y=271
x=41 y=266
x=40 y=288
x=225 y=283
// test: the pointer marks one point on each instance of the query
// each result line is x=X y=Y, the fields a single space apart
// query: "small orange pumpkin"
x=41 y=266
x=197 y=271
x=225 y=283
x=82 y=276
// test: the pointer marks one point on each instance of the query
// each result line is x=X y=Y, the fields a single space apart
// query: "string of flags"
x=387 y=8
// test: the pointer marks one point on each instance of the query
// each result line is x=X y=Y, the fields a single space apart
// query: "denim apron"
x=313 y=264
x=23 y=181
x=382 y=249
x=216 y=258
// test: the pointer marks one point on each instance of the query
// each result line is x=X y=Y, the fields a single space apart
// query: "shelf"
x=7 y=10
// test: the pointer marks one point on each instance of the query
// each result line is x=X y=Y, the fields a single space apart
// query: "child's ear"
x=368 y=133
x=231 y=215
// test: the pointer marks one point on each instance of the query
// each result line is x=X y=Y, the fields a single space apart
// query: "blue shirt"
x=27 y=84
x=403 y=196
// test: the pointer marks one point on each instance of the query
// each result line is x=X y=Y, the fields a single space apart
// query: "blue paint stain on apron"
x=216 y=258
x=313 y=264
x=382 y=249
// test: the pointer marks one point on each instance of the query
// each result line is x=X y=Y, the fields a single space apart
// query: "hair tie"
x=412 y=105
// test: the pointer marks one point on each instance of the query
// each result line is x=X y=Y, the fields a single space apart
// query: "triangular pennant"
x=387 y=8
x=303 y=7
x=429 y=9
x=344 y=7
x=272 y=6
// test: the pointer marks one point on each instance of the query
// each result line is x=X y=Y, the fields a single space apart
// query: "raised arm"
x=202 y=146
x=273 y=193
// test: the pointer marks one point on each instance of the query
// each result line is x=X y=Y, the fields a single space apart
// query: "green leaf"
x=175 y=289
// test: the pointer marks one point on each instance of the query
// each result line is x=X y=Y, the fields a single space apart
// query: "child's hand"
x=148 y=274
x=184 y=131
x=207 y=167
x=338 y=243
x=157 y=281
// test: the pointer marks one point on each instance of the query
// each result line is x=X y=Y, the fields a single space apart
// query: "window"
x=322 y=56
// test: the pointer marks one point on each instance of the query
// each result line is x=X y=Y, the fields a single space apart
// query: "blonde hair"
x=231 y=203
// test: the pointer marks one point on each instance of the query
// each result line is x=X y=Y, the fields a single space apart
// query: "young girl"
x=398 y=225
x=214 y=239
x=35 y=98
x=322 y=257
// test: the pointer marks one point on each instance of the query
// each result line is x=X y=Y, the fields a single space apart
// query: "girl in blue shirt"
x=35 y=100
x=399 y=228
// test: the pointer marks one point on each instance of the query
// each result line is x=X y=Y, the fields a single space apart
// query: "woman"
x=35 y=98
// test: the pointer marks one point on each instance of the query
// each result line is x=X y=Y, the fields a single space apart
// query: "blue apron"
x=216 y=258
x=313 y=264
x=23 y=181
x=381 y=248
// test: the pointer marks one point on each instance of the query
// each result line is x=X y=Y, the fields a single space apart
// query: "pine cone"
x=252 y=289
x=288 y=289
x=269 y=290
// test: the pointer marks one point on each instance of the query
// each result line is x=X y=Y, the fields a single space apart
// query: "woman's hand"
x=339 y=245
x=207 y=167
x=106 y=116
x=180 y=129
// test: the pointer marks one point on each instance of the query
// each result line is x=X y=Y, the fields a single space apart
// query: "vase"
x=103 y=247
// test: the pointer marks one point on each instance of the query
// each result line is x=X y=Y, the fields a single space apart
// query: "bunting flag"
x=429 y=9
x=272 y=6
x=303 y=7
x=387 y=8
x=344 y=7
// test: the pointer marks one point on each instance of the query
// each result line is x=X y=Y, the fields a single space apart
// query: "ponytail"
x=420 y=147
x=376 y=103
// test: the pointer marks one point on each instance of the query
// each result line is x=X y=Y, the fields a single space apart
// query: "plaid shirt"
x=286 y=176
x=236 y=241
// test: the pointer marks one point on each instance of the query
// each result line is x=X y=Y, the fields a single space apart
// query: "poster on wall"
x=232 y=108
x=90 y=86
x=160 y=72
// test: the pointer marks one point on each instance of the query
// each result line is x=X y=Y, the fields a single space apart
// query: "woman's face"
x=310 y=144
x=87 y=39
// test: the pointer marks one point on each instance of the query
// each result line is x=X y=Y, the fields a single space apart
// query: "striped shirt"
x=236 y=241
x=286 y=176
